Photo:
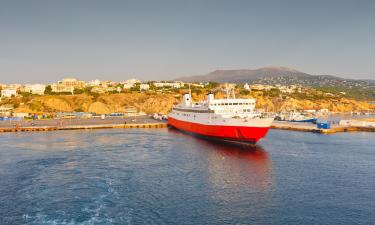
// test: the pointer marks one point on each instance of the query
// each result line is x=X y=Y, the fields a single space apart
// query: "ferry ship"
x=230 y=119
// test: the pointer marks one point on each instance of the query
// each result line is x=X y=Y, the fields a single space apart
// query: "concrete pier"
x=309 y=127
x=82 y=127
x=81 y=124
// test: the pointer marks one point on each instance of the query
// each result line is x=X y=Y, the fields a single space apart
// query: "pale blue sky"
x=43 y=41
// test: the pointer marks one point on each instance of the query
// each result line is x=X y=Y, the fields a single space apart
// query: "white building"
x=246 y=87
x=61 y=88
x=102 y=90
x=128 y=85
x=67 y=85
x=144 y=87
x=200 y=85
x=92 y=83
x=20 y=114
x=309 y=110
x=37 y=89
x=169 y=84
x=12 y=86
x=131 y=81
x=261 y=87
x=8 y=93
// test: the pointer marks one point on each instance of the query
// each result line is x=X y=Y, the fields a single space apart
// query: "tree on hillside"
x=48 y=90
x=244 y=92
x=213 y=84
x=78 y=91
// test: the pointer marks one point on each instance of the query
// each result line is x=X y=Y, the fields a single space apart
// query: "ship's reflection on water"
x=234 y=167
x=237 y=174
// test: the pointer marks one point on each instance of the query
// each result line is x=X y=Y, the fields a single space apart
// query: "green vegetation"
x=244 y=92
x=48 y=90
x=160 y=99
x=86 y=90
x=212 y=85
x=136 y=88
x=274 y=92
x=25 y=94
x=356 y=93
x=78 y=91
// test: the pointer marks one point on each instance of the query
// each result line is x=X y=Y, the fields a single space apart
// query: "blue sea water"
x=162 y=176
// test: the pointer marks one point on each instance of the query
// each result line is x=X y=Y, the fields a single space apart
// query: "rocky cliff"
x=162 y=103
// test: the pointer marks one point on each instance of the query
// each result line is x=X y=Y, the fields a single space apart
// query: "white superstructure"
x=229 y=119
x=228 y=111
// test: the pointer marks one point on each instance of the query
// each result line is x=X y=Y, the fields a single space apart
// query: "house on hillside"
x=8 y=93
x=247 y=87
x=261 y=87
x=93 y=83
x=36 y=89
x=169 y=84
x=67 y=85
x=144 y=87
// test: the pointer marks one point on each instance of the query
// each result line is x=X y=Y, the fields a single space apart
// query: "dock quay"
x=81 y=124
x=124 y=126
x=309 y=127
x=81 y=127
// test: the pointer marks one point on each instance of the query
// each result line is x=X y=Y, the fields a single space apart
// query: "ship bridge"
x=228 y=107
x=232 y=106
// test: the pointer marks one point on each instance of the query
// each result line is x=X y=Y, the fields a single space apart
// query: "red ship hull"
x=226 y=133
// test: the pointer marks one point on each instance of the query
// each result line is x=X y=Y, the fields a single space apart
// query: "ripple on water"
x=161 y=176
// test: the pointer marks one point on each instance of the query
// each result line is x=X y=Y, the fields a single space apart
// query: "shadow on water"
x=238 y=175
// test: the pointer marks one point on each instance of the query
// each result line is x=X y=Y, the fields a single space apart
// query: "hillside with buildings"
x=133 y=96
x=362 y=89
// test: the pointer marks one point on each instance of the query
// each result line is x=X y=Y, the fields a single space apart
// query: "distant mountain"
x=237 y=76
x=279 y=75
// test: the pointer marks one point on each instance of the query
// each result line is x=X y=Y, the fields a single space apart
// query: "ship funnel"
x=187 y=99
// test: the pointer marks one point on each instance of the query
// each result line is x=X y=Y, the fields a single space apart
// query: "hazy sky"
x=43 y=41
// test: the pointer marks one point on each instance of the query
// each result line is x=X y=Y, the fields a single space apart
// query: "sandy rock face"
x=57 y=105
x=99 y=108
x=160 y=105
x=163 y=103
